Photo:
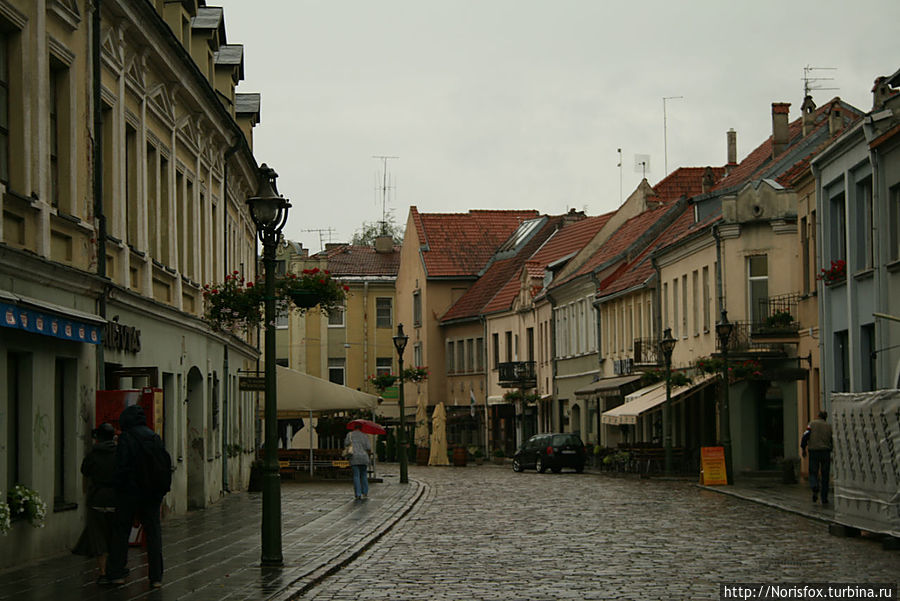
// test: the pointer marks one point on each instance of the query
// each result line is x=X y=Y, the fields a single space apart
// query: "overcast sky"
x=523 y=103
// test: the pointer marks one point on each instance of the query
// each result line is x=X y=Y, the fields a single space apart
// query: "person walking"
x=99 y=467
x=818 y=438
x=135 y=500
x=359 y=460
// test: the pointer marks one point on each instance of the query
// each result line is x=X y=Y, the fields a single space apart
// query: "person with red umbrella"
x=356 y=444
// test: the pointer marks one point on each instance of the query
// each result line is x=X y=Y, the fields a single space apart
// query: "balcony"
x=646 y=351
x=780 y=324
x=517 y=374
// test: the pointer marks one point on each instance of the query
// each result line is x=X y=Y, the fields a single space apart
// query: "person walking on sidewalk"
x=135 y=499
x=818 y=438
x=359 y=460
x=99 y=467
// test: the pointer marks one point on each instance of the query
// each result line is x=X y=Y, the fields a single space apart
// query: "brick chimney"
x=835 y=119
x=708 y=181
x=731 y=136
x=780 y=129
x=384 y=244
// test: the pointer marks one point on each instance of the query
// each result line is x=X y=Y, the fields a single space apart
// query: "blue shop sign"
x=48 y=324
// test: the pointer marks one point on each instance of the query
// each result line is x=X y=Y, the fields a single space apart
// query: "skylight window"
x=522 y=233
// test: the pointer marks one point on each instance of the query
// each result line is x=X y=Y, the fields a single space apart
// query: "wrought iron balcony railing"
x=517 y=374
x=646 y=351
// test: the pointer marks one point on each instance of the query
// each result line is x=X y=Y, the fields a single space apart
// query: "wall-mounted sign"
x=122 y=338
x=252 y=384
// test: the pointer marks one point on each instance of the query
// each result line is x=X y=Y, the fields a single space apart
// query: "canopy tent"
x=300 y=393
x=648 y=398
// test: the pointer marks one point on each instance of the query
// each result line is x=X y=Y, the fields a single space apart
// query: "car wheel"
x=556 y=469
x=539 y=465
x=517 y=467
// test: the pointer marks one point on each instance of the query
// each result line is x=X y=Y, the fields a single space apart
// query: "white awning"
x=497 y=400
x=649 y=397
x=298 y=391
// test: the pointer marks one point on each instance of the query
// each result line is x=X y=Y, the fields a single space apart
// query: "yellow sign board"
x=712 y=462
x=284 y=464
x=340 y=463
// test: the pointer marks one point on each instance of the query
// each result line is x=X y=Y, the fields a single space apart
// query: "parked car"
x=554 y=451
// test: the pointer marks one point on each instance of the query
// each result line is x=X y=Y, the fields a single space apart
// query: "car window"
x=565 y=439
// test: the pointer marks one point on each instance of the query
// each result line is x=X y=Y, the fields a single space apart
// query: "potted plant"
x=27 y=503
x=312 y=288
x=477 y=454
x=415 y=374
x=835 y=274
x=382 y=381
x=233 y=304
x=499 y=456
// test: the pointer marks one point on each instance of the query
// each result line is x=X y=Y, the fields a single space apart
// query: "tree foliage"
x=366 y=234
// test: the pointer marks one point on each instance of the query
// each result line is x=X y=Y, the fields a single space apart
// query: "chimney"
x=780 y=129
x=384 y=244
x=732 y=146
x=709 y=180
x=808 y=110
x=333 y=245
x=835 y=119
x=572 y=216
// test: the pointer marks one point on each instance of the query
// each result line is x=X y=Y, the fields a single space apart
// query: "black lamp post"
x=723 y=331
x=269 y=212
x=666 y=346
x=400 y=341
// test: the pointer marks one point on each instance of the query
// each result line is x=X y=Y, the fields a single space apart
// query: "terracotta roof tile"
x=461 y=244
x=347 y=260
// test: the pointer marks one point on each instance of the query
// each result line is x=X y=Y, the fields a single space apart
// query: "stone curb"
x=318 y=573
x=767 y=503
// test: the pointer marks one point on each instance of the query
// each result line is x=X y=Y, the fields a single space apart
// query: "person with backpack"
x=143 y=477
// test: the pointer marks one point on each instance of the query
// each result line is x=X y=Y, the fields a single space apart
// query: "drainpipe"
x=720 y=284
x=487 y=370
x=225 y=396
x=365 y=328
x=98 y=181
x=553 y=367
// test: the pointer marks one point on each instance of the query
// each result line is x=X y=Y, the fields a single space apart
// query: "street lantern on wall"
x=269 y=211
x=666 y=347
x=400 y=341
x=724 y=328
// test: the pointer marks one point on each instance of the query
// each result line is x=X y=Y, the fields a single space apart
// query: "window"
x=863 y=238
x=153 y=201
x=336 y=317
x=384 y=316
x=460 y=356
x=675 y=307
x=4 y=108
x=417 y=308
x=418 y=358
x=684 y=305
x=15 y=364
x=838 y=231
x=758 y=287
x=529 y=342
x=131 y=186
x=695 y=295
x=841 y=362
x=63 y=429
x=479 y=354
x=451 y=357
x=383 y=366
x=509 y=346
x=53 y=101
x=165 y=201
x=470 y=355
x=894 y=201
x=706 y=315
x=804 y=253
x=282 y=320
x=495 y=344
x=867 y=358
x=336 y=370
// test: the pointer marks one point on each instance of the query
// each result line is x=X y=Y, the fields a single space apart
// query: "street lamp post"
x=723 y=331
x=269 y=212
x=400 y=341
x=666 y=346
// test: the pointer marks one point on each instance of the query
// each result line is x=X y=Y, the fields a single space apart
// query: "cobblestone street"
x=489 y=533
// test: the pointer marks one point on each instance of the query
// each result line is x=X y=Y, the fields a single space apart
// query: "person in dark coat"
x=99 y=467
x=134 y=502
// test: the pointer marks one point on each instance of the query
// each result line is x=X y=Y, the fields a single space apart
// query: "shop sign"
x=712 y=462
x=119 y=337
x=252 y=383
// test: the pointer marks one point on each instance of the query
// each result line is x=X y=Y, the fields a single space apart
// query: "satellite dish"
x=642 y=164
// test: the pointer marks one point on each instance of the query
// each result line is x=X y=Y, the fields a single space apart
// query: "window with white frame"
x=695 y=294
x=864 y=229
x=706 y=315
x=384 y=316
x=383 y=366
x=838 y=229
x=336 y=317
x=417 y=355
x=336 y=370
x=684 y=305
x=417 y=308
x=758 y=287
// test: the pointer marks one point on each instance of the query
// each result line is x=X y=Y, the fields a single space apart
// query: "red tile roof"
x=347 y=261
x=684 y=181
x=461 y=244
x=496 y=289
x=568 y=240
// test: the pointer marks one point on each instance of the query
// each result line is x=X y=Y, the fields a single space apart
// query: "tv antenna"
x=642 y=164
x=384 y=190
x=665 y=134
x=810 y=83
x=619 y=150
x=323 y=233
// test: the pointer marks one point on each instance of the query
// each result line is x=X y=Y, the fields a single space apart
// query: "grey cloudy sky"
x=524 y=103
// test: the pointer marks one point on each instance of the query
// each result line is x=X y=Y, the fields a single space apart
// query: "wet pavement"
x=488 y=533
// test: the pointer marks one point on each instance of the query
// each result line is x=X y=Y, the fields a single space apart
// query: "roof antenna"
x=323 y=232
x=384 y=189
x=642 y=164
x=809 y=82
x=619 y=150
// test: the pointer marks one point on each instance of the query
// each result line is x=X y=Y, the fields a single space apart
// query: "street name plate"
x=252 y=383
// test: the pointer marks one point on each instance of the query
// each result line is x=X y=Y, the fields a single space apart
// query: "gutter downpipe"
x=97 y=182
x=225 y=396
x=553 y=369
x=487 y=429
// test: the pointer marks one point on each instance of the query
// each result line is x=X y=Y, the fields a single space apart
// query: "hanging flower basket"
x=382 y=381
x=238 y=305
x=5 y=515
x=415 y=374
x=27 y=503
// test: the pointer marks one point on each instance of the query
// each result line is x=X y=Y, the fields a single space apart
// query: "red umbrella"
x=367 y=426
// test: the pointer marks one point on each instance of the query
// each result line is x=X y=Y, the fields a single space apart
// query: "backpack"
x=154 y=467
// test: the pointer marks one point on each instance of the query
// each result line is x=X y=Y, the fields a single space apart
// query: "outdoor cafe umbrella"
x=439 y=437
x=367 y=426
x=421 y=437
